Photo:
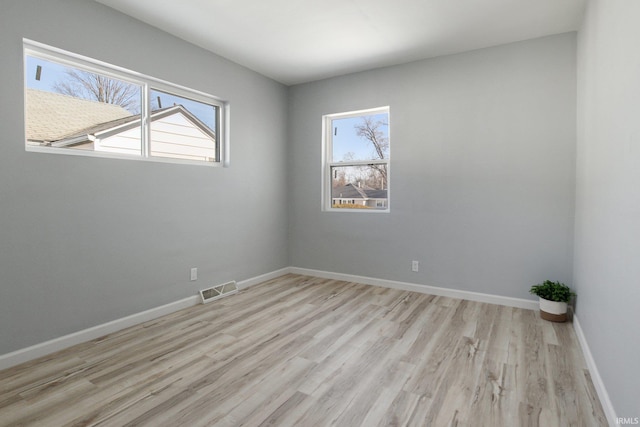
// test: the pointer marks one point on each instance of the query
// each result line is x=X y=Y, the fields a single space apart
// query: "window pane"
x=182 y=128
x=359 y=187
x=360 y=138
x=68 y=107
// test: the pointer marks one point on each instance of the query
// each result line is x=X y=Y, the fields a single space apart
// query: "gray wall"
x=83 y=240
x=482 y=170
x=607 y=224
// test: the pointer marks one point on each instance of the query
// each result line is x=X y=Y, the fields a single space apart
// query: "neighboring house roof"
x=65 y=121
x=352 y=191
x=106 y=129
x=53 y=116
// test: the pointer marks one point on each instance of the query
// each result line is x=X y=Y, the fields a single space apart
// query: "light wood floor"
x=301 y=351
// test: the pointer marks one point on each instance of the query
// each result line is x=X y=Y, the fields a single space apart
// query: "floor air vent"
x=217 y=292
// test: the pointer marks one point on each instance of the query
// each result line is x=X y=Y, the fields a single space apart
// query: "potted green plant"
x=554 y=297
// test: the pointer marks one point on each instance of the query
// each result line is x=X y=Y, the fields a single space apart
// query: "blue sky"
x=346 y=139
x=53 y=72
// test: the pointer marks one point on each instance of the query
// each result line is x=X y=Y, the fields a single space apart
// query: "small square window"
x=357 y=154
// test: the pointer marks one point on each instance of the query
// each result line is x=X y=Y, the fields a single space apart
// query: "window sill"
x=363 y=211
x=69 y=152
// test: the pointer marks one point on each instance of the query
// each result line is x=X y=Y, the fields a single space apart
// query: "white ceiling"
x=296 y=41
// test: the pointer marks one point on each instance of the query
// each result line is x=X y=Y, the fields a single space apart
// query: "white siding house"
x=175 y=133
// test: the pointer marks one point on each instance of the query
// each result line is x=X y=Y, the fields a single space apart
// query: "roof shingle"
x=352 y=191
x=53 y=116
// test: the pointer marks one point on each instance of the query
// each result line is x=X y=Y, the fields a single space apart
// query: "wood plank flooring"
x=302 y=351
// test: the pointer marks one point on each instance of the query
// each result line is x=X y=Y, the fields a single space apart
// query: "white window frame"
x=147 y=84
x=327 y=163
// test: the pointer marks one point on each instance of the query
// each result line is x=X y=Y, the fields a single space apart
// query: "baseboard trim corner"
x=424 y=289
x=601 y=390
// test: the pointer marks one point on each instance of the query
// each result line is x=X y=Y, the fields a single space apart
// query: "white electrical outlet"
x=415 y=265
x=194 y=274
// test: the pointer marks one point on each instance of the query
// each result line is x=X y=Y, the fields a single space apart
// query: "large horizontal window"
x=77 y=105
x=356 y=161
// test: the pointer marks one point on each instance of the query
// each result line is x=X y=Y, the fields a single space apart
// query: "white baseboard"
x=42 y=349
x=424 y=289
x=609 y=411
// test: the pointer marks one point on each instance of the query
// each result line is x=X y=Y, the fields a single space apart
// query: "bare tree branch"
x=86 y=85
x=370 y=130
